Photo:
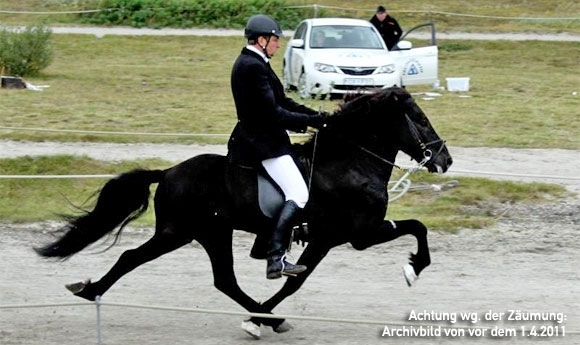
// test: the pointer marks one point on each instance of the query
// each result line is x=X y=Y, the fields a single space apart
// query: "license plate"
x=358 y=81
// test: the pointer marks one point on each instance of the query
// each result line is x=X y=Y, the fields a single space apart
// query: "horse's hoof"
x=252 y=329
x=76 y=288
x=409 y=274
x=283 y=327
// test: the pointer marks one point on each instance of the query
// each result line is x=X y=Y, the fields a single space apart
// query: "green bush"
x=194 y=13
x=25 y=52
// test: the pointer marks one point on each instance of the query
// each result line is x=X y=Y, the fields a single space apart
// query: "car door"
x=295 y=55
x=420 y=63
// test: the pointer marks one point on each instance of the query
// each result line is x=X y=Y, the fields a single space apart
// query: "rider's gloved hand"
x=318 y=120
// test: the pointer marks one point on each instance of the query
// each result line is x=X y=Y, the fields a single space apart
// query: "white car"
x=334 y=56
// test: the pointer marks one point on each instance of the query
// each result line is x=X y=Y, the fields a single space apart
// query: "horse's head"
x=391 y=118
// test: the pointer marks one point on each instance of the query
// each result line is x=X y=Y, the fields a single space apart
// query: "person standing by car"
x=388 y=27
x=260 y=137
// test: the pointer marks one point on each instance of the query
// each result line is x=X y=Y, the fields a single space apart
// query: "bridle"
x=427 y=152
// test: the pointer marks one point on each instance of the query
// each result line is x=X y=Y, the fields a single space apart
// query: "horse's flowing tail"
x=121 y=200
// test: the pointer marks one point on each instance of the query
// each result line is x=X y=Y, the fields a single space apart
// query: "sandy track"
x=102 y=31
x=518 y=264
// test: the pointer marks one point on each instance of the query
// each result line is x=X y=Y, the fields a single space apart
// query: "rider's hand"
x=318 y=120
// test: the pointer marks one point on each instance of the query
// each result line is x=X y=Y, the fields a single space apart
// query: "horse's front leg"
x=311 y=257
x=218 y=245
x=390 y=230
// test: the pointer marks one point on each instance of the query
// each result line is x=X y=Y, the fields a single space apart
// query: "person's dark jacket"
x=264 y=112
x=389 y=29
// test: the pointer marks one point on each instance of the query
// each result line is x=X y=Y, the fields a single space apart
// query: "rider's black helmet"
x=262 y=25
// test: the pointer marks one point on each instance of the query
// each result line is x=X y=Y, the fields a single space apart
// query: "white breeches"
x=285 y=173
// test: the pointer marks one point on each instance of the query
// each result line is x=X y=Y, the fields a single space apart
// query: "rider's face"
x=271 y=45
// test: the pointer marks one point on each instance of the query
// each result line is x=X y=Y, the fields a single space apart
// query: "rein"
x=371 y=153
x=427 y=153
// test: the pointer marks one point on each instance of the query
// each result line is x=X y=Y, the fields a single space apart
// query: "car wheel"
x=303 y=88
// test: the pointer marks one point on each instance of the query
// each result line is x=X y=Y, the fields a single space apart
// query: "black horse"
x=348 y=164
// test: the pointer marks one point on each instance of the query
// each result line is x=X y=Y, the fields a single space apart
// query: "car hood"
x=351 y=57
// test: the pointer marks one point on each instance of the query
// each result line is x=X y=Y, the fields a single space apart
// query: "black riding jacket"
x=264 y=112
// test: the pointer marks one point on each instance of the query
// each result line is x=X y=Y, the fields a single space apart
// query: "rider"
x=260 y=137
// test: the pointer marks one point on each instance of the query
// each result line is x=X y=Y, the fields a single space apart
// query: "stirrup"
x=281 y=260
x=298 y=233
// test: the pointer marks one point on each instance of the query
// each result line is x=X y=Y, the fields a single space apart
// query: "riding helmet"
x=262 y=25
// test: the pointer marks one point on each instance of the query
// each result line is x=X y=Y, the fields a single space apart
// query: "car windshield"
x=344 y=36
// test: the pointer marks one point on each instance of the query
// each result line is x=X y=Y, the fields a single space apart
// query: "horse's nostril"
x=449 y=161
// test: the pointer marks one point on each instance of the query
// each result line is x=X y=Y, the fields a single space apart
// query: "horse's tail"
x=121 y=200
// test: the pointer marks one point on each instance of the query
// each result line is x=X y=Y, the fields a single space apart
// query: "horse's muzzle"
x=440 y=164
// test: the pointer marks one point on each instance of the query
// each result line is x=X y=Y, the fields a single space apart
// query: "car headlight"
x=324 y=68
x=386 y=69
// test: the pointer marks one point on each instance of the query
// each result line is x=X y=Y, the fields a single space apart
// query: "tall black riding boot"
x=277 y=264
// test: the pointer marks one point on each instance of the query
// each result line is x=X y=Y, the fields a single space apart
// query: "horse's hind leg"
x=159 y=244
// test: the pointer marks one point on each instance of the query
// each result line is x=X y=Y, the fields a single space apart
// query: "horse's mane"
x=358 y=104
x=354 y=107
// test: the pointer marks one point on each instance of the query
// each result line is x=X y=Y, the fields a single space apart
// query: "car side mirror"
x=297 y=43
x=403 y=45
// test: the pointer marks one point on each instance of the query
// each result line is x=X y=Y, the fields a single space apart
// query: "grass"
x=450 y=15
x=181 y=85
x=25 y=200
x=474 y=203
x=521 y=97
x=474 y=16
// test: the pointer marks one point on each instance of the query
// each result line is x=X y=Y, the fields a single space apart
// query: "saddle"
x=270 y=197
x=262 y=195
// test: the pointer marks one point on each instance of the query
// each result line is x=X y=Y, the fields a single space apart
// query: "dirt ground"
x=527 y=262
x=519 y=264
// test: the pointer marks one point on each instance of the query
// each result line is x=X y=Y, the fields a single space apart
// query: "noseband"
x=427 y=153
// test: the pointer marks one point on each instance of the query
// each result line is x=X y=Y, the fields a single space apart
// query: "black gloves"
x=317 y=121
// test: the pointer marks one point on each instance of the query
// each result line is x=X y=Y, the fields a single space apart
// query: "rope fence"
x=384 y=323
x=79 y=131
x=224 y=135
x=315 y=9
